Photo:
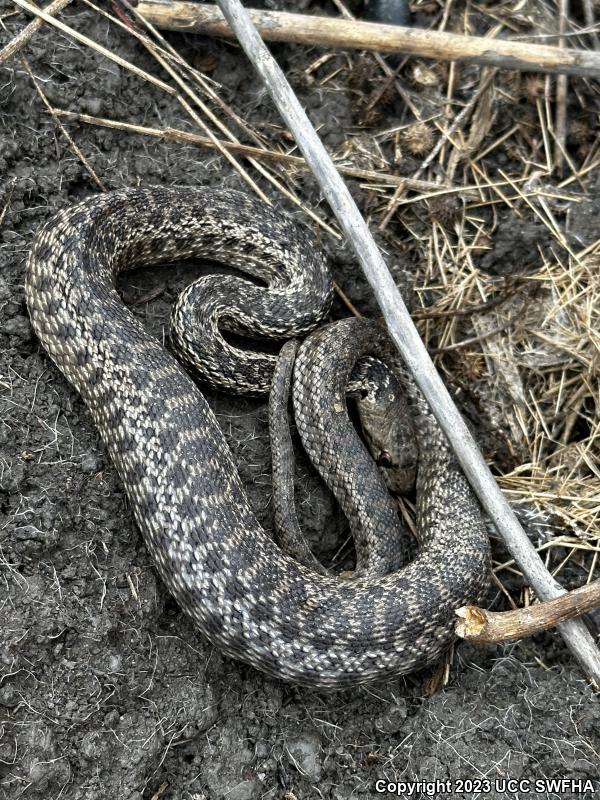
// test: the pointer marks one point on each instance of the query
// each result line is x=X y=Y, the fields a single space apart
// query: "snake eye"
x=384 y=460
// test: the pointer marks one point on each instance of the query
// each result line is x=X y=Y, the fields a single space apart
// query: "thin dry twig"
x=155 y=52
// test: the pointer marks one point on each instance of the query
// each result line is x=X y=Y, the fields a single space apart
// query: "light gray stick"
x=404 y=333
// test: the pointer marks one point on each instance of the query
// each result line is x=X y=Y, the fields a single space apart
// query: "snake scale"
x=247 y=596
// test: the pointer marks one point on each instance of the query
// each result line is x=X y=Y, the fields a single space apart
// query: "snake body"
x=245 y=594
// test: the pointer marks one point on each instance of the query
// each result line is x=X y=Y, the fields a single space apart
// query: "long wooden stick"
x=491 y=627
x=281 y=26
x=403 y=332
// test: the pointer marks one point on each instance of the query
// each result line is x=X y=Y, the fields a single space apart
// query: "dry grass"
x=532 y=365
x=475 y=149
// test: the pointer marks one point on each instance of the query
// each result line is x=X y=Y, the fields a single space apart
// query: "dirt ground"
x=106 y=690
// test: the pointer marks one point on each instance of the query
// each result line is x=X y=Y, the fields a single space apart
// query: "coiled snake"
x=245 y=594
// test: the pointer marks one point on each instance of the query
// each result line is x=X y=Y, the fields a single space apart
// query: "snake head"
x=386 y=423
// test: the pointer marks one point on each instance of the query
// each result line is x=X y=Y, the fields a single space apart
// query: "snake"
x=248 y=596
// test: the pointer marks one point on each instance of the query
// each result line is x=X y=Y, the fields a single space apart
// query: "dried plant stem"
x=491 y=627
x=173 y=134
x=21 y=39
x=404 y=333
x=170 y=90
x=282 y=26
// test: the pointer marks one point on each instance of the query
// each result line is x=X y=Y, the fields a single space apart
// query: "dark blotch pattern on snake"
x=245 y=594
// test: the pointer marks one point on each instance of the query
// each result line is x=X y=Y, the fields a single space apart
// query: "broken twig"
x=492 y=627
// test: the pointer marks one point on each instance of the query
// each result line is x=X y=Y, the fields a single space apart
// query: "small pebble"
x=304 y=752
x=89 y=463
